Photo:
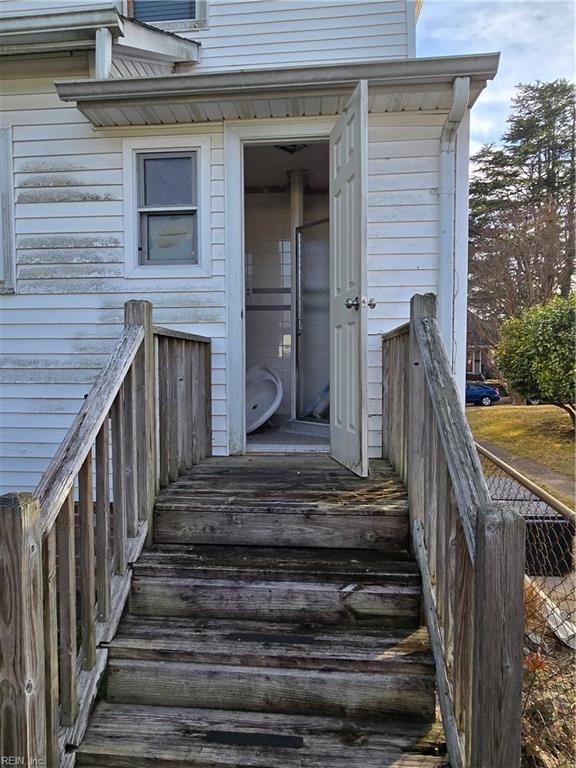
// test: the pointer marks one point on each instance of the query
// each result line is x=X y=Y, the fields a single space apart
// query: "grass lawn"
x=541 y=433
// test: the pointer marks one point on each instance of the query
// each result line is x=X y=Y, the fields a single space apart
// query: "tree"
x=536 y=353
x=522 y=207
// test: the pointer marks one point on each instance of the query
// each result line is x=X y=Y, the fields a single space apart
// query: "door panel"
x=348 y=279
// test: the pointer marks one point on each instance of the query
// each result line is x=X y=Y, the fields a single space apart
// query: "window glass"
x=168 y=181
x=171 y=238
x=164 y=10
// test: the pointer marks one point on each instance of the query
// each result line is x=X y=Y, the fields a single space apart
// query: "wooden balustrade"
x=67 y=550
x=470 y=550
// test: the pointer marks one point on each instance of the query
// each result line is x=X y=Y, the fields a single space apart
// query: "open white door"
x=348 y=279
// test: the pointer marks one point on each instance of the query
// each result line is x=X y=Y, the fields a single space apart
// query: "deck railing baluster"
x=66 y=576
x=118 y=482
x=103 y=521
x=130 y=454
x=87 y=563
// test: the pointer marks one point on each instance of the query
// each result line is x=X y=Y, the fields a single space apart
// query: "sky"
x=535 y=37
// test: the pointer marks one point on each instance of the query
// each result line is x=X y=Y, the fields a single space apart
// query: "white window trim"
x=130 y=149
x=7 y=245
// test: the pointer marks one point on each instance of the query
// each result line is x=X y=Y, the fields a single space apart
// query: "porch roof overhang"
x=394 y=86
x=31 y=32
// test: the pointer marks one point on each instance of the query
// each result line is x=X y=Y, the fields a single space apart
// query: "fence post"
x=420 y=306
x=140 y=313
x=22 y=685
x=498 y=638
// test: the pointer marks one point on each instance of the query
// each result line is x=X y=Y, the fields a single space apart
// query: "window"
x=167 y=208
x=166 y=13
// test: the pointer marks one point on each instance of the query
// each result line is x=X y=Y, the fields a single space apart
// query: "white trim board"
x=236 y=134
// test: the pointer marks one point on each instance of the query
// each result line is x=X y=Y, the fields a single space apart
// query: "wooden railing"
x=470 y=550
x=66 y=551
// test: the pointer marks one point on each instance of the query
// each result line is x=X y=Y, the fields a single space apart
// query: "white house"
x=279 y=175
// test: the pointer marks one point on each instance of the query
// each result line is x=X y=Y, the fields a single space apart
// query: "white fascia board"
x=324 y=78
x=73 y=19
x=141 y=40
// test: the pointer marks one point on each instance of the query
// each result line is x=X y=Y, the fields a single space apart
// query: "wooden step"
x=270 y=689
x=347 y=602
x=280 y=523
x=126 y=736
x=265 y=584
x=267 y=644
x=284 y=503
x=273 y=563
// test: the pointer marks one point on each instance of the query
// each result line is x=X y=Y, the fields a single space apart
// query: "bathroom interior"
x=286 y=208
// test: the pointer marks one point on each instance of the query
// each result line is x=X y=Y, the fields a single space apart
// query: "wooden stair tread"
x=268 y=644
x=274 y=562
x=126 y=736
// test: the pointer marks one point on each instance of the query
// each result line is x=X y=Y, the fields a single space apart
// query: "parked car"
x=481 y=394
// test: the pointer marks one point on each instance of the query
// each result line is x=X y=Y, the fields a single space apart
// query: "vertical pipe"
x=103 y=64
x=446 y=213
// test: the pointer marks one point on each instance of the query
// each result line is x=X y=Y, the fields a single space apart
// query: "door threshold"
x=283 y=448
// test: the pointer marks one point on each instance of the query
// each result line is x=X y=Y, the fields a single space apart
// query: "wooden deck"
x=273 y=623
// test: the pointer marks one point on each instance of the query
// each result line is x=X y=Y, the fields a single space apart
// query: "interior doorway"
x=286 y=234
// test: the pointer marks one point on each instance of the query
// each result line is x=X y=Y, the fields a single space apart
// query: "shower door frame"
x=296 y=309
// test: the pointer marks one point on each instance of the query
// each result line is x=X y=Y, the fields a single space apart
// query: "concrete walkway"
x=539 y=474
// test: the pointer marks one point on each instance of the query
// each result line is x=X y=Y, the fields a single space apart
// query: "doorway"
x=287 y=325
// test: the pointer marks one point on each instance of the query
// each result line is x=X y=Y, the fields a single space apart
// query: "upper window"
x=164 y=10
x=167 y=208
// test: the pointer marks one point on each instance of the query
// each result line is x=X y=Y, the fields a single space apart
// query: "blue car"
x=481 y=394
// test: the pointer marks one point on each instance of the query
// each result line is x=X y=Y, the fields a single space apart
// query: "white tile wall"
x=269 y=281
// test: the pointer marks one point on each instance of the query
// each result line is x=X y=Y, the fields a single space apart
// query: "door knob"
x=352 y=303
x=371 y=304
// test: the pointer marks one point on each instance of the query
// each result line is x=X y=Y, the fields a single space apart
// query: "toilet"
x=263 y=396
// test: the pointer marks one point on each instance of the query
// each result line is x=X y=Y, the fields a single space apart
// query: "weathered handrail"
x=470 y=550
x=50 y=679
x=57 y=480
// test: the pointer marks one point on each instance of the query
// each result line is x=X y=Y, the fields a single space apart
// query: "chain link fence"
x=549 y=697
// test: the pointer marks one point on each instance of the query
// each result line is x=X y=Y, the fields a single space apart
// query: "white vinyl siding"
x=286 y=33
x=58 y=330
x=403 y=154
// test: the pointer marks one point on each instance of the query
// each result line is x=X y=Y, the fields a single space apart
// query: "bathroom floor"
x=283 y=439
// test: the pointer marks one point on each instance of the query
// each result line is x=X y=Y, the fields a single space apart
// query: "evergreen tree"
x=522 y=207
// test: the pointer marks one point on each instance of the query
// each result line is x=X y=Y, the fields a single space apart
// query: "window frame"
x=144 y=212
x=181 y=25
x=132 y=150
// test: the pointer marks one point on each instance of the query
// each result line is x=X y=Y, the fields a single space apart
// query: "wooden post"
x=22 y=683
x=420 y=306
x=498 y=638
x=140 y=313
